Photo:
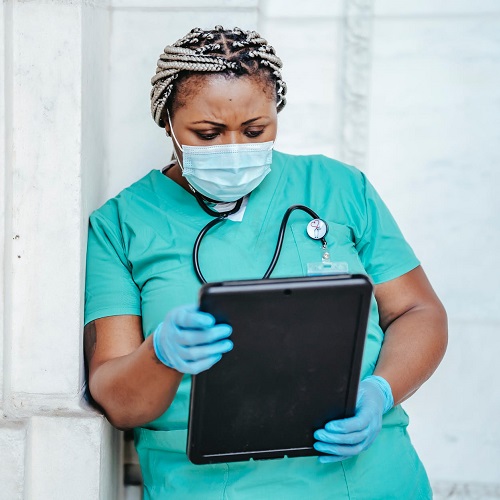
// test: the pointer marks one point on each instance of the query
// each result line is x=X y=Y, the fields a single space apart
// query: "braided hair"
x=229 y=52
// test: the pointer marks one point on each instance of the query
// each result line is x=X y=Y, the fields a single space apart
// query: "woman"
x=223 y=88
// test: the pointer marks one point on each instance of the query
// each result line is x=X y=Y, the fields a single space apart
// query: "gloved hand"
x=189 y=340
x=348 y=437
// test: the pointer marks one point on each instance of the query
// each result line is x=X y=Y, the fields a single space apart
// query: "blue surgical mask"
x=225 y=172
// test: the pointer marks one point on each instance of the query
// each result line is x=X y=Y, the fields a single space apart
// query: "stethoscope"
x=316 y=229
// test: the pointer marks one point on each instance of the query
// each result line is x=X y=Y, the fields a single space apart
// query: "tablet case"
x=295 y=365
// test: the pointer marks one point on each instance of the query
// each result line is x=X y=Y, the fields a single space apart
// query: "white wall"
x=51 y=445
x=407 y=91
x=434 y=153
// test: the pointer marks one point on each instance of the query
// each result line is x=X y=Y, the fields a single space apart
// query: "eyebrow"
x=222 y=125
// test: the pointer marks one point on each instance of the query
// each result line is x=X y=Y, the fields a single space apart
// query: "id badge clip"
x=317 y=229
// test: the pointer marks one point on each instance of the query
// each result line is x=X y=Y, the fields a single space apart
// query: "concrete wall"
x=407 y=91
x=51 y=445
x=434 y=153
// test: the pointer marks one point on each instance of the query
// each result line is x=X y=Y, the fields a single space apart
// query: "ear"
x=167 y=130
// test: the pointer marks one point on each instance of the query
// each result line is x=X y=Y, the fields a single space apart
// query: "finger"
x=352 y=438
x=341 y=450
x=357 y=423
x=203 y=337
x=205 y=351
x=184 y=317
x=202 y=365
x=328 y=459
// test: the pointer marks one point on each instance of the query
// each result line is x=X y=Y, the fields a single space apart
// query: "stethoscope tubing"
x=197 y=243
x=220 y=217
x=281 y=235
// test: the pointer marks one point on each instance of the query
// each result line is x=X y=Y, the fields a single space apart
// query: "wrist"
x=385 y=390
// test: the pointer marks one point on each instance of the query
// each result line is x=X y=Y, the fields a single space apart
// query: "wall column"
x=54 y=83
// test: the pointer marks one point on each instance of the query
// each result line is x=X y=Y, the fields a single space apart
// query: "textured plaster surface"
x=434 y=124
x=433 y=155
x=186 y=4
x=12 y=454
x=62 y=458
x=306 y=124
x=51 y=446
x=2 y=187
x=446 y=8
x=451 y=415
x=302 y=11
x=46 y=198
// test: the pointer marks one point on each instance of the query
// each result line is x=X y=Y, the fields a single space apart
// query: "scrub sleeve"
x=139 y=262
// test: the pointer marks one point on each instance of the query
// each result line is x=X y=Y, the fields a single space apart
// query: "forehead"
x=215 y=89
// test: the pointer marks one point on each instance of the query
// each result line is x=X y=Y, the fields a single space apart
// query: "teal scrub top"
x=139 y=262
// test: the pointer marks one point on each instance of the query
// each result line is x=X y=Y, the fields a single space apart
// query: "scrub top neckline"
x=176 y=197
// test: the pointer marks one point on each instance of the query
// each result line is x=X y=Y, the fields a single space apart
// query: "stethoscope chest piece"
x=317 y=229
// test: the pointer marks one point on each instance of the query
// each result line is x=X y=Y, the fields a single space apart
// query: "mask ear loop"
x=196 y=194
x=172 y=133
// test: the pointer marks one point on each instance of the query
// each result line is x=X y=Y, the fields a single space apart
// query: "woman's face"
x=220 y=110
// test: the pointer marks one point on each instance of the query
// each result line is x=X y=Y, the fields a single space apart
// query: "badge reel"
x=317 y=229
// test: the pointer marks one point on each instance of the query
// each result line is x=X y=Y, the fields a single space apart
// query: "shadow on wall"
x=132 y=477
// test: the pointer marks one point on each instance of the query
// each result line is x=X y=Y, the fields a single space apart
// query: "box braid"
x=236 y=52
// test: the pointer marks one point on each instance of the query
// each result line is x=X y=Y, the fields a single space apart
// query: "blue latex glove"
x=348 y=437
x=189 y=340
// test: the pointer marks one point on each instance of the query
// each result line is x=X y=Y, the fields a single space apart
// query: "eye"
x=253 y=133
x=207 y=137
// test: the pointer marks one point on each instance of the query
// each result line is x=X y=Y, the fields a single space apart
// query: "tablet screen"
x=295 y=365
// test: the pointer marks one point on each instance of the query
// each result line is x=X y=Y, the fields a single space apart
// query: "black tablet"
x=295 y=365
